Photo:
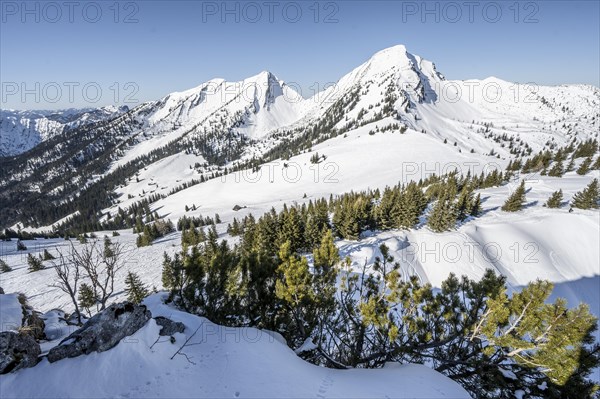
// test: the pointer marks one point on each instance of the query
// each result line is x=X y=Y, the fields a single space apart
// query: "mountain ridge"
x=219 y=126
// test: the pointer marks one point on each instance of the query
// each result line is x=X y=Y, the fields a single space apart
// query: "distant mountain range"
x=50 y=159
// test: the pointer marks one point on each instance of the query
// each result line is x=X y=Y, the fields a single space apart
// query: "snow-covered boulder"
x=17 y=351
x=169 y=327
x=103 y=331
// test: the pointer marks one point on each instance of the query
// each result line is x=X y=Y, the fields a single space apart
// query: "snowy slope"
x=11 y=314
x=252 y=107
x=394 y=87
x=220 y=123
x=223 y=363
x=22 y=130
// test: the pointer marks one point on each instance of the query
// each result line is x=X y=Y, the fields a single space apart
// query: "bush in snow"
x=47 y=255
x=4 y=267
x=21 y=246
x=35 y=263
x=588 y=198
x=584 y=168
x=515 y=202
x=555 y=199
x=135 y=289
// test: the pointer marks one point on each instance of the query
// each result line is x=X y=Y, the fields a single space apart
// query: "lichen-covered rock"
x=103 y=331
x=169 y=327
x=17 y=351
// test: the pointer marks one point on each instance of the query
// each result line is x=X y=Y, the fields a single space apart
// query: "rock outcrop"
x=103 y=331
x=169 y=327
x=17 y=351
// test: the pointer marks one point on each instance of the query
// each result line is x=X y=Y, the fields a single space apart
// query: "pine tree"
x=35 y=263
x=325 y=260
x=476 y=206
x=443 y=215
x=555 y=199
x=556 y=170
x=326 y=256
x=587 y=198
x=516 y=200
x=47 y=255
x=135 y=289
x=317 y=219
x=4 y=267
x=87 y=298
x=386 y=208
x=173 y=274
x=21 y=246
x=315 y=158
x=584 y=168
x=596 y=165
x=410 y=204
x=234 y=229
x=292 y=229
x=294 y=289
x=468 y=204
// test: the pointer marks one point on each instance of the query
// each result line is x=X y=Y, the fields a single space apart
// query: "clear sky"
x=79 y=54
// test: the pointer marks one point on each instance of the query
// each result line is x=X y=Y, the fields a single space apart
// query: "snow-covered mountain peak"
x=389 y=58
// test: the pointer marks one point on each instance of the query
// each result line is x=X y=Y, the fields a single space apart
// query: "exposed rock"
x=169 y=327
x=1 y=291
x=17 y=351
x=103 y=331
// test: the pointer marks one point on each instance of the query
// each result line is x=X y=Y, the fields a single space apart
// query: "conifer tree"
x=135 y=289
x=467 y=204
x=317 y=219
x=587 y=198
x=476 y=206
x=35 y=263
x=384 y=212
x=47 y=255
x=556 y=170
x=4 y=267
x=516 y=200
x=325 y=257
x=87 y=297
x=173 y=275
x=292 y=229
x=21 y=246
x=411 y=203
x=584 y=168
x=443 y=215
x=555 y=199
x=294 y=289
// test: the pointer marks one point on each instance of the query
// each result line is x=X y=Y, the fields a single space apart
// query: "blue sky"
x=98 y=53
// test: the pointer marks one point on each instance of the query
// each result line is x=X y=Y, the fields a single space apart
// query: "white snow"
x=221 y=362
x=534 y=243
x=11 y=313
